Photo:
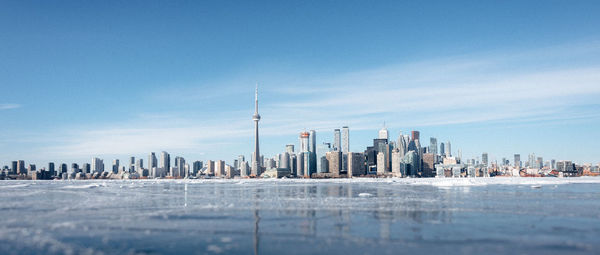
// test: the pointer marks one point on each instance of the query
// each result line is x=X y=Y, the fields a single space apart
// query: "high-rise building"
x=256 y=162
x=180 y=167
x=448 y=149
x=396 y=163
x=429 y=160
x=87 y=168
x=484 y=159
x=356 y=164
x=415 y=135
x=152 y=161
x=300 y=164
x=97 y=165
x=334 y=158
x=21 y=167
x=220 y=168
x=381 y=169
x=345 y=139
x=402 y=145
x=312 y=148
x=165 y=162
x=383 y=133
x=139 y=166
x=210 y=167
x=132 y=164
x=115 y=166
x=322 y=149
x=304 y=141
x=337 y=140
x=51 y=169
x=442 y=150
x=433 y=146
x=196 y=167
x=517 y=161
x=14 y=167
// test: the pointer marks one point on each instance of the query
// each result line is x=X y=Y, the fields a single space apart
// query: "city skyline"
x=484 y=90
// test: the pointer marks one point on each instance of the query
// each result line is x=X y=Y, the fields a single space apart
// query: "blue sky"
x=122 y=78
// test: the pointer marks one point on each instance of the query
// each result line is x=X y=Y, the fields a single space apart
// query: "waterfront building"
x=165 y=161
x=484 y=159
x=312 y=148
x=322 y=149
x=220 y=168
x=429 y=161
x=152 y=162
x=300 y=164
x=334 y=158
x=448 y=149
x=21 y=167
x=517 y=161
x=356 y=164
x=337 y=140
x=381 y=169
x=415 y=135
x=345 y=139
x=442 y=149
x=98 y=165
x=396 y=163
x=289 y=148
x=383 y=133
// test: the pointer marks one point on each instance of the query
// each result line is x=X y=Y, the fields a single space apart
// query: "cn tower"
x=256 y=157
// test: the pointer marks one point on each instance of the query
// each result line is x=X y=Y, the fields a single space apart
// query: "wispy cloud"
x=512 y=87
x=9 y=106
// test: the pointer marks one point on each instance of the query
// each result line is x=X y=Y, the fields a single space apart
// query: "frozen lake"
x=369 y=216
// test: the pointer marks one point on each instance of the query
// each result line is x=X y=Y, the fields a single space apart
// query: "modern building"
x=415 y=135
x=337 y=140
x=484 y=159
x=448 y=149
x=433 y=149
x=381 y=169
x=165 y=161
x=334 y=158
x=97 y=165
x=345 y=139
x=517 y=161
x=356 y=164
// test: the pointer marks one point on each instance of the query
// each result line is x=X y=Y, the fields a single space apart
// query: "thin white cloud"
x=9 y=106
x=466 y=89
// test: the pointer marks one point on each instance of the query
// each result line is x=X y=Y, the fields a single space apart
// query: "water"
x=486 y=216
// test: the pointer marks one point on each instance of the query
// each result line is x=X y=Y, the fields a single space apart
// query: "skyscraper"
x=442 y=150
x=289 y=148
x=97 y=165
x=256 y=164
x=517 y=160
x=448 y=149
x=415 y=135
x=383 y=133
x=345 y=139
x=337 y=140
x=304 y=136
x=312 y=149
x=484 y=159
x=165 y=162
x=152 y=162
x=433 y=146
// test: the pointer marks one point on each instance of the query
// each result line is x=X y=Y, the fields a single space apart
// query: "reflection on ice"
x=298 y=216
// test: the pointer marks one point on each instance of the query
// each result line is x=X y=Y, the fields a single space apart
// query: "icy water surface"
x=483 y=216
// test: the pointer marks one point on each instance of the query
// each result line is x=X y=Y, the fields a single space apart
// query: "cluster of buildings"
x=403 y=157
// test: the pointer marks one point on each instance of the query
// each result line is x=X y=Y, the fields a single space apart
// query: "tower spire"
x=256 y=164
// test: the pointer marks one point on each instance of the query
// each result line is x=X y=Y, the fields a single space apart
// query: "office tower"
x=383 y=133
x=256 y=162
x=284 y=160
x=396 y=162
x=539 y=163
x=74 y=168
x=63 y=168
x=402 y=145
x=381 y=163
x=448 y=149
x=428 y=167
x=293 y=164
x=517 y=160
x=210 y=167
x=14 y=167
x=51 y=169
x=433 y=149
x=197 y=167
x=289 y=148
x=300 y=164
x=337 y=140
x=345 y=139
x=552 y=164
x=244 y=169
x=307 y=164
x=152 y=162
x=304 y=141
x=87 y=168
x=98 y=165
x=180 y=166
x=139 y=166
x=115 y=166
x=31 y=169
x=334 y=158
x=442 y=150
x=312 y=148
x=356 y=164
x=21 y=167
x=411 y=159
x=220 y=168
x=415 y=135
x=484 y=159
x=165 y=161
